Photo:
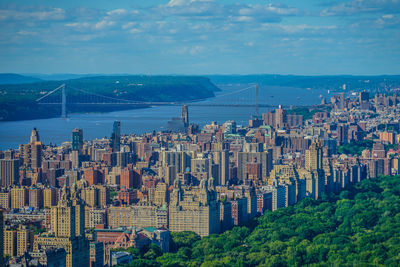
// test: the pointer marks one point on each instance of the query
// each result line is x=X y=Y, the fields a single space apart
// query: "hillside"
x=17 y=101
x=359 y=227
x=12 y=78
x=334 y=82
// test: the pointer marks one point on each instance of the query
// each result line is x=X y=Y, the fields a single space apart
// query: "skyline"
x=200 y=37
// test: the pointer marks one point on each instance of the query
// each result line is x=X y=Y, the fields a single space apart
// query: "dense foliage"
x=307 y=113
x=17 y=101
x=359 y=227
x=355 y=147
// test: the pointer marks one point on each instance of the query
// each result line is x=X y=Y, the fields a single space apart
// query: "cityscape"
x=199 y=133
x=80 y=202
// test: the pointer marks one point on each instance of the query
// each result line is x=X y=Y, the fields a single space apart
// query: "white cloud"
x=119 y=11
x=78 y=25
x=103 y=24
x=128 y=25
x=134 y=31
x=173 y=3
x=362 y=6
x=48 y=14
x=27 y=33
x=389 y=16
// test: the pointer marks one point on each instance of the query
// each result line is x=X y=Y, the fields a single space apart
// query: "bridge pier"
x=63 y=103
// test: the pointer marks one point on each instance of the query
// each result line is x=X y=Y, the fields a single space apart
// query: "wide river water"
x=98 y=125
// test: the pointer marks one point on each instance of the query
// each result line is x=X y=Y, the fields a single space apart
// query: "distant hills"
x=62 y=76
x=12 y=78
x=334 y=82
x=18 y=99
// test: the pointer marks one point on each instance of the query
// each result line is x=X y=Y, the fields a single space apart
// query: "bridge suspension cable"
x=91 y=98
x=51 y=92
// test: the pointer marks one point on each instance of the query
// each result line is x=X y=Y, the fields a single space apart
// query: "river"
x=98 y=125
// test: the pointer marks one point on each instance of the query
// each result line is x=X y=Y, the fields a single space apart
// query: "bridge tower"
x=63 y=102
x=257 y=110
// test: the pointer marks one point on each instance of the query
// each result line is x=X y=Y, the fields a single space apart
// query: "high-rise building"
x=34 y=136
x=104 y=195
x=161 y=194
x=230 y=127
x=77 y=140
x=180 y=159
x=315 y=179
x=90 y=195
x=77 y=147
x=364 y=96
x=36 y=198
x=9 y=172
x=126 y=178
x=5 y=200
x=24 y=239
x=116 y=137
x=185 y=115
x=1 y=238
x=49 y=197
x=119 y=216
x=32 y=152
x=341 y=101
x=278 y=195
x=19 y=197
x=314 y=156
x=194 y=209
x=96 y=254
x=149 y=215
x=280 y=117
x=17 y=240
x=10 y=242
x=93 y=176
x=342 y=134
x=243 y=158
x=222 y=159
x=239 y=211
x=67 y=230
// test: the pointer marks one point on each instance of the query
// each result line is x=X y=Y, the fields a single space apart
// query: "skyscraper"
x=342 y=101
x=34 y=136
x=222 y=159
x=315 y=181
x=185 y=115
x=32 y=152
x=314 y=156
x=280 y=117
x=77 y=147
x=77 y=140
x=364 y=100
x=116 y=136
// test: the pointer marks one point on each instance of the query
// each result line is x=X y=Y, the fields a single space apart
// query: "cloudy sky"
x=310 y=37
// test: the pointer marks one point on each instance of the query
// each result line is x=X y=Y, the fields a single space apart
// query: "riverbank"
x=19 y=101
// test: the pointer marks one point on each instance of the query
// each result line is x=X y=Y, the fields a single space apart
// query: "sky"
x=303 y=37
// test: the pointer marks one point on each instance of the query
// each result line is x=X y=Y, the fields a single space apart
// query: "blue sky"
x=200 y=36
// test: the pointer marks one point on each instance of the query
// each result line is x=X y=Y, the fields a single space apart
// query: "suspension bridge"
x=67 y=95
